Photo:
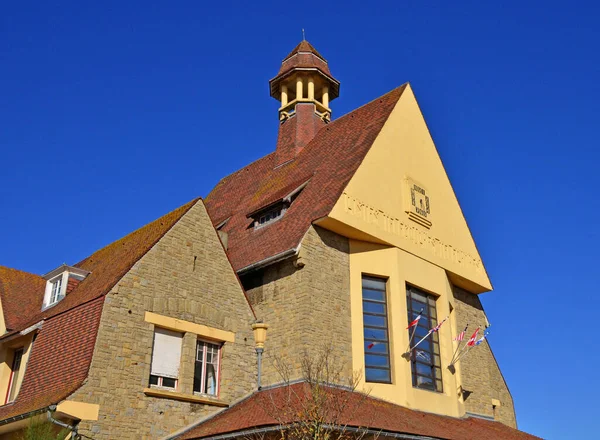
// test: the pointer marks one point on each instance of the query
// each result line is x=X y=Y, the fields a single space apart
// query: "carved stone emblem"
x=417 y=203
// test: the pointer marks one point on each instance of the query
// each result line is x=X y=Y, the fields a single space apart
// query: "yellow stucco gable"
x=377 y=204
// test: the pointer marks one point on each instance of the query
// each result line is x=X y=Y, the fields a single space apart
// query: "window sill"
x=154 y=392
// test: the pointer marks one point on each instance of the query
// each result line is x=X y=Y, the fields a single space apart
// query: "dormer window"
x=270 y=215
x=56 y=291
x=60 y=282
x=275 y=210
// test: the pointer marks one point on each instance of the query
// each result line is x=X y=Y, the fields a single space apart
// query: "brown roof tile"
x=282 y=405
x=59 y=360
x=331 y=158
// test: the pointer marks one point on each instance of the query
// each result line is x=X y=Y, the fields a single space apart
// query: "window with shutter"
x=166 y=357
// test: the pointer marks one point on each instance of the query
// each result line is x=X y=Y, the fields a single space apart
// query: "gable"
x=377 y=204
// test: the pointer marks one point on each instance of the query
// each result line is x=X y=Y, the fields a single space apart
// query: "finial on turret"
x=303 y=35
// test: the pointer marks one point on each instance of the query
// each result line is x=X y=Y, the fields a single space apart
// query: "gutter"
x=24 y=416
x=270 y=260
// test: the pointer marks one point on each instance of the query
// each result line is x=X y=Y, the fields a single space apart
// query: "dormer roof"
x=82 y=273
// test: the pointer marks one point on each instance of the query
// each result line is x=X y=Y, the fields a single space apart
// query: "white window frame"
x=64 y=280
x=219 y=346
x=160 y=381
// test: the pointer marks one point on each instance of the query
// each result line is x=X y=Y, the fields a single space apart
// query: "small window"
x=14 y=376
x=166 y=357
x=56 y=291
x=425 y=359
x=375 y=326
x=206 y=370
x=270 y=216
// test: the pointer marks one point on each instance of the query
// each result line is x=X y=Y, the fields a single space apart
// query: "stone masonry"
x=307 y=308
x=481 y=378
x=186 y=275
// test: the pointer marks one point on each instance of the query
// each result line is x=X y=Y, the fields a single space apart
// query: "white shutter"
x=167 y=353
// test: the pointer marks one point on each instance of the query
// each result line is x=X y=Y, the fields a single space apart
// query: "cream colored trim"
x=152 y=392
x=78 y=410
x=2 y=322
x=186 y=326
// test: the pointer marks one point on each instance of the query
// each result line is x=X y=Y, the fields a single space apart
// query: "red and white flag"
x=437 y=327
x=416 y=320
x=461 y=335
x=473 y=338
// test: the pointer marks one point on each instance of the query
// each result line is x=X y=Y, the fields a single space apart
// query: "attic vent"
x=60 y=282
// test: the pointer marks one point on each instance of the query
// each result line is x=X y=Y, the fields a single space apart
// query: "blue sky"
x=112 y=115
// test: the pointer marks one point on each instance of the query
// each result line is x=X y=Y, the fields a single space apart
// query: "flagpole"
x=458 y=346
x=437 y=327
x=462 y=355
x=414 y=331
x=465 y=348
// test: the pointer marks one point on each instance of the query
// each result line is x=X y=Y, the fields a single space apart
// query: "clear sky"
x=112 y=115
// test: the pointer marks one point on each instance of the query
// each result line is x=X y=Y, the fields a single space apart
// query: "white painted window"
x=55 y=289
x=206 y=370
x=166 y=357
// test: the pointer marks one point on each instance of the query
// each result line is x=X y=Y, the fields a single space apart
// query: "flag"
x=461 y=335
x=473 y=338
x=480 y=340
x=437 y=327
x=415 y=321
x=372 y=344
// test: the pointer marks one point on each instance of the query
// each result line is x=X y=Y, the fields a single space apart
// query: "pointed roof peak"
x=304 y=46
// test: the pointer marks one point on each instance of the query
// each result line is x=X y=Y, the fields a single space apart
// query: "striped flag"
x=373 y=344
x=461 y=335
x=415 y=321
x=473 y=338
x=437 y=327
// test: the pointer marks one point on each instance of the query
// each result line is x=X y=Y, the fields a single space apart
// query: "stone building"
x=344 y=235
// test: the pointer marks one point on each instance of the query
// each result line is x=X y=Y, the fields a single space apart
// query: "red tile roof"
x=21 y=293
x=331 y=158
x=59 y=359
x=288 y=404
x=304 y=46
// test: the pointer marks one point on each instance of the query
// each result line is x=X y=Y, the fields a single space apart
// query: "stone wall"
x=186 y=275
x=481 y=378
x=307 y=308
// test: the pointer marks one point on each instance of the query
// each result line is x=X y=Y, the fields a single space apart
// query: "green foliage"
x=43 y=431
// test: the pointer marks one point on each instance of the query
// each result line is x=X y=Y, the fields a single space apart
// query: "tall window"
x=55 y=293
x=375 y=325
x=425 y=358
x=14 y=375
x=166 y=356
x=206 y=371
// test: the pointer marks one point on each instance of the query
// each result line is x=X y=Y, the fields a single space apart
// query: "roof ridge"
x=190 y=203
x=19 y=270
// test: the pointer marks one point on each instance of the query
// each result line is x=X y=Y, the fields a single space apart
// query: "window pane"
x=169 y=382
x=418 y=296
x=373 y=283
x=375 y=321
x=376 y=295
x=371 y=307
x=423 y=369
x=377 y=375
x=422 y=356
x=198 y=377
x=424 y=382
x=375 y=334
x=153 y=380
x=417 y=306
x=211 y=380
x=376 y=347
x=376 y=361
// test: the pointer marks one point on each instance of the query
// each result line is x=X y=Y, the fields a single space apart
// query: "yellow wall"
x=374 y=201
x=6 y=359
x=400 y=267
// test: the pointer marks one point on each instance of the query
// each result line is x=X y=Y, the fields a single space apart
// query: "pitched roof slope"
x=16 y=288
x=329 y=161
x=22 y=303
x=282 y=405
x=59 y=361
